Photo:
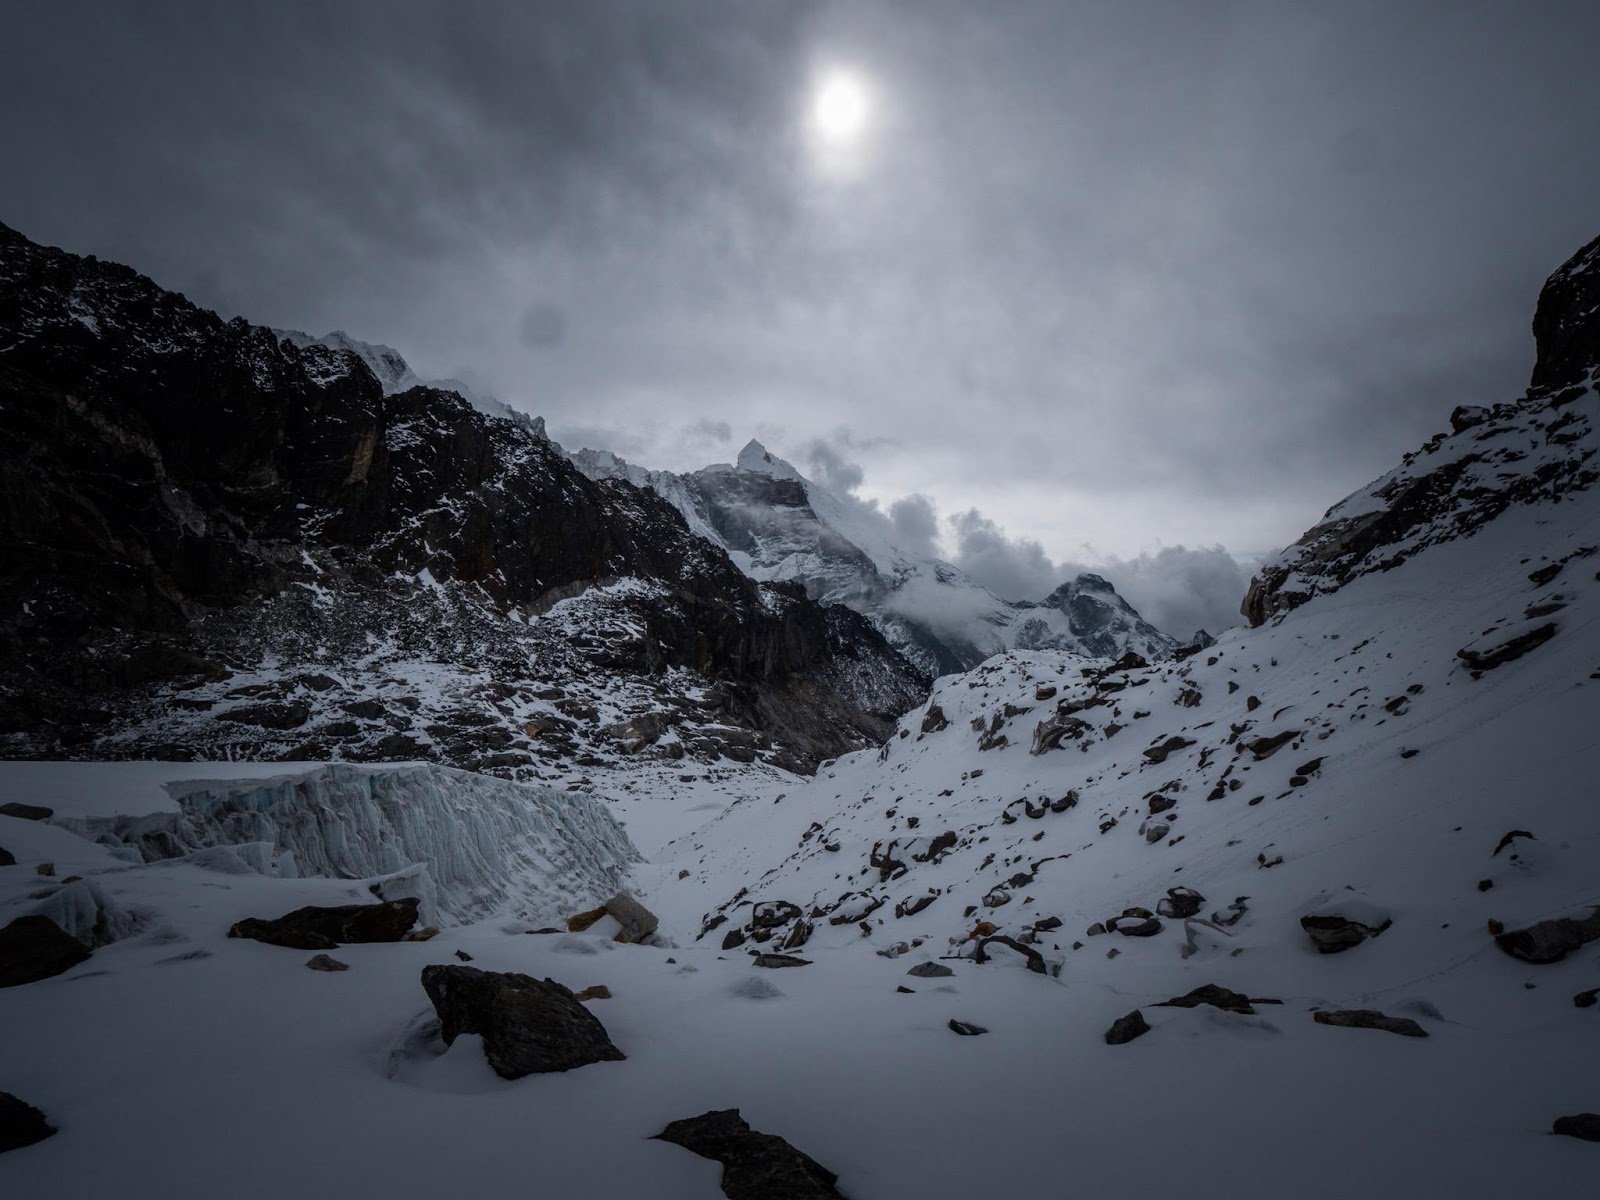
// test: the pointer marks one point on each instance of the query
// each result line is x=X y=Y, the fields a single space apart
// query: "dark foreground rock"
x=34 y=948
x=321 y=962
x=776 y=961
x=966 y=1028
x=1124 y=1029
x=26 y=812
x=528 y=1025
x=1550 y=941
x=1579 y=1125
x=322 y=928
x=930 y=970
x=1213 y=994
x=755 y=1166
x=21 y=1124
x=1367 y=1018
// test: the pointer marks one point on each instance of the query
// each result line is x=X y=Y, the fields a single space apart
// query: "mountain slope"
x=219 y=541
x=778 y=525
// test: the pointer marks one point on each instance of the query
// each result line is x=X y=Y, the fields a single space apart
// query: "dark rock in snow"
x=772 y=913
x=1140 y=927
x=779 y=960
x=1579 y=1125
x=1508 y=838
x=1367 y=1018
x=1587 y=999
x=1496 y=651
x=1335 y=934
x=1124 y=1029
x=637 y=921
x=966 y=1028
x=733 y=939
x=1216 y=996
x=21 y=1124
x=26 y=812
x=321 y=962
x=930 y=970
x=322 y=928
x=1034 y=958
x=34 y=947
x=755 y=1166
x=1180 y=902
x=7 y=859
x=1158 y=753
x=1550 y=941
x=528 y=1025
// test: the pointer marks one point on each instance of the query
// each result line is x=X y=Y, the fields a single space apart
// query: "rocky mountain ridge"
x=219 y=541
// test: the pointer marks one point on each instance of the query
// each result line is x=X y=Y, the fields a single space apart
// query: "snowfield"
x=178 y=1062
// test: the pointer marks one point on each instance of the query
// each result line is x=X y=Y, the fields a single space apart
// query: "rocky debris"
x=637 y=921
x=317 y=927
x=1217 y=997
x=930 y=970
x=21 y=1124
x=755 y=1166
x=1034 y=959
x=1124 y=1029
x=1050 y=733
x=1158 y=753
x=934 y=720
x=772 y=913
x=1467 y=416
x=966 y=1028
x=777 y=961
x=1579 y=1125
x=1266 y=747
x=528 y=1025
x=1336 y=934
x=34 y=947
x=1180 y=902
x=1500 y=648
x=26 y=812
x=1144 y=923
x=1550 y=941
x=1508 y=838
x=1367 y=1018
x=321 y=962
x=1587 y=999
x=595 y=991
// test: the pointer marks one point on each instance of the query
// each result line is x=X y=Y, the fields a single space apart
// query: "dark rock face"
x=21 y=1124
x=1538 y=449
x=203 y=498
x=322 y=928
x=1367 y=1018
x=1335 y=934
x=527 y=1025
x=1124 y=1029
x=755 y=1166
x=1550 y=941
x=34 y=948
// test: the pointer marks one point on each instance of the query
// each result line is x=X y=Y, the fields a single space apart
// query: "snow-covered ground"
x=180 y=1063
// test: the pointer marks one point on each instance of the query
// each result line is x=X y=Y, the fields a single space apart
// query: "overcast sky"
x=1118 y=276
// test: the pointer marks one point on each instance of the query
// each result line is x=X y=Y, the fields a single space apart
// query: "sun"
x=840 y=108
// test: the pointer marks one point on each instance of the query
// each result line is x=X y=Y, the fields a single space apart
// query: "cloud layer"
x=1125 y=275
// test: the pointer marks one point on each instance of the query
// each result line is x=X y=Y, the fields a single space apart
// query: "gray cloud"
x=916 y=525
x=1012 y=568
x=1124 y=275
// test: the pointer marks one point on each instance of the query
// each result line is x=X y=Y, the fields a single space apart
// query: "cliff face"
x=1538 y=450
x=185 y=499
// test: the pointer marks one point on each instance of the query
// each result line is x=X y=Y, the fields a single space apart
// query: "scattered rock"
x=733 y=939
x=1158 y=753
x=527 y=1025
x=1217 y=997
x=1180 y=902
x=1266 y=747
x=930 y=970
x=1587 y=999
x=637 y=921
x=1125 y=1029
x=1550 y=941
x=772 y=913
x=321 y=962
x=1335 y=934
x=21 y=1124
x=1035 y=959
x=966 y=1028
x=1493 y=652
x=1367 y=1018
x=317 y=927
x=465 y=957
x=34 y=947
x=26 y=812
x=595 y=991
x=7 y=859
x=1579 y=1125
x=1146 y=926
x=1510 y=837
x=755 y=1166
x=780 y=960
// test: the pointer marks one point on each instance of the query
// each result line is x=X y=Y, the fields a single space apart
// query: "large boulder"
x=317 y=927
x=755 y=1165
x=528 y=1025
x=1550 y=941
x=34 y=947
x=21 y=1124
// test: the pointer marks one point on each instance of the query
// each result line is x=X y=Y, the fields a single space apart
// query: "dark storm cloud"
x=1112 y=274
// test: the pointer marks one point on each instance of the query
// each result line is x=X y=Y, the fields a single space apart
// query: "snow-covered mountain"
x=776 y=524
x=220 y=542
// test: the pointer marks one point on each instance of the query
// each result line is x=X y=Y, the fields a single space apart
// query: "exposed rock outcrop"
x=755 y=1165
